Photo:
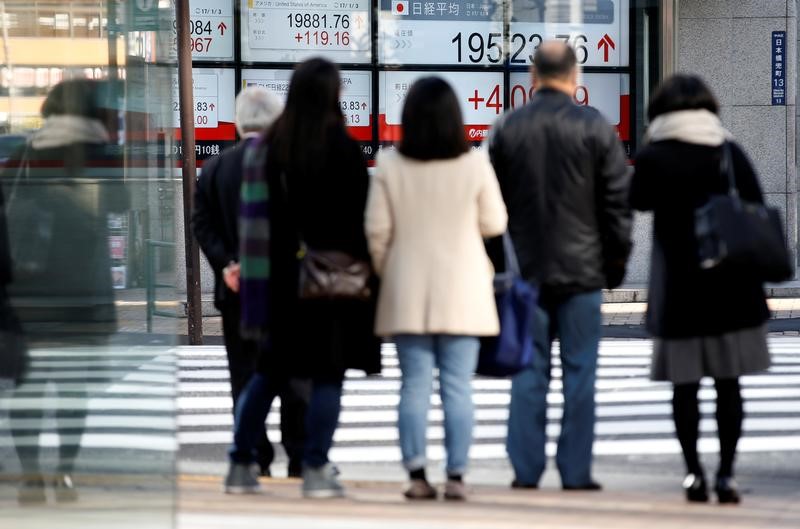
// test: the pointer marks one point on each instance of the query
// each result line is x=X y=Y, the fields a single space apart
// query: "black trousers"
x=295 y=394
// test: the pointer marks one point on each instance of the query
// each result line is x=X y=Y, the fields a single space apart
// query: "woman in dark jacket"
x=59 y=192
x=316 y=184
x=723 y=336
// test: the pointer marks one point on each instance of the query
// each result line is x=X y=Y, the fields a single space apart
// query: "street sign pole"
x=189 y=172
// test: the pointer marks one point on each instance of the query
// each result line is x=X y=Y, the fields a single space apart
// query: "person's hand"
x=230 y=274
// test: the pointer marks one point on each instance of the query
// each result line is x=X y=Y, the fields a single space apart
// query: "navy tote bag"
x=512 y=350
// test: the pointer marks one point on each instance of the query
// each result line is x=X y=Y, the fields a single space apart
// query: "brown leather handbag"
x=331 y=274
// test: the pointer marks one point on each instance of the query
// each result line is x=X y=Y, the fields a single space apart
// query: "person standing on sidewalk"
x=706 y=322
x=215 y=222
x=563 y=174
x=430 y=205
x=305 y=187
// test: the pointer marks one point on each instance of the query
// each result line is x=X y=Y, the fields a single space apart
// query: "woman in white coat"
x=430 y=206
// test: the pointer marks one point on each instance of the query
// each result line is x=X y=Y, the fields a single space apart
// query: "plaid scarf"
x=254 y=236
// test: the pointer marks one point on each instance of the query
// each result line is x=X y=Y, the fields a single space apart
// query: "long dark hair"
x=311 y=115
x=433 y=128
x=681 y=92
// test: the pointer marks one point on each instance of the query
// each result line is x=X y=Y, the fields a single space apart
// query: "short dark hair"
x=681 y=92
x=554 y=62
x=75 y=97
x=433 y=128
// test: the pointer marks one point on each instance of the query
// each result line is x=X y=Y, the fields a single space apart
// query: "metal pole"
x=669 y=37
x=111 y=36
x=9 y=65
x=186 y=101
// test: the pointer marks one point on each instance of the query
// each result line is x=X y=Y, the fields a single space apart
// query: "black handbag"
x=746 y=235
x=30 y=226
x=14 y=360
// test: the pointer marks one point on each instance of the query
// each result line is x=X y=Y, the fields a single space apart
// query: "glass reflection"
x=87 y=396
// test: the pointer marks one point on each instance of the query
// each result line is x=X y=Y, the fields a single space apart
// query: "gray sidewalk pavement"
x=632 y=499
x=132 y=313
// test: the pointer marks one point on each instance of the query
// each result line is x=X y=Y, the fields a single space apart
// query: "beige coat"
x=425 y=225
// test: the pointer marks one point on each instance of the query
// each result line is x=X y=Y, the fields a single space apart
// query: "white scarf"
x=58 y=131
x=701 y=127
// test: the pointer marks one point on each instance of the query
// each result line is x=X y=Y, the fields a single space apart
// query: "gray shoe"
x=321 y=482
x=241 y=479
x=420 y=489
x=455 y=490
x=31 y=491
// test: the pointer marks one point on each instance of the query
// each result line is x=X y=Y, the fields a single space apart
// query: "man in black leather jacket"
x=563 y=174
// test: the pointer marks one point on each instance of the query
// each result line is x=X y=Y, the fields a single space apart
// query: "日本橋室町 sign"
x=778 y=68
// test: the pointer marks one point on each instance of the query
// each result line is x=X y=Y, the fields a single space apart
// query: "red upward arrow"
x=222 y=27
x=605 y=43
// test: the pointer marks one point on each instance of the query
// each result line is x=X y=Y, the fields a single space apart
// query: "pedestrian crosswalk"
x=634 y=414
x=170 y=399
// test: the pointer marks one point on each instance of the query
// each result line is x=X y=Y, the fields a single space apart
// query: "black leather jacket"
x=563 y=174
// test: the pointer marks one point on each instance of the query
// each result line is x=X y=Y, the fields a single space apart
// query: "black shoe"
x=727 y=490
x=516 y=484
x=264 y=471
x=695 y=487
x=591 y=486
x=295 y=469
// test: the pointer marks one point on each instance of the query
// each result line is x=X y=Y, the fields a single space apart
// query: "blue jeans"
x=456 y=358
x=254 y=403
x=576 y=322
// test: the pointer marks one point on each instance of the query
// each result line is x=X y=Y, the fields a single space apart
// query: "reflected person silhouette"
x=59 y=191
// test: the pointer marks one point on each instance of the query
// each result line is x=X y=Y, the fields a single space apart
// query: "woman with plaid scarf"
x=304 y=181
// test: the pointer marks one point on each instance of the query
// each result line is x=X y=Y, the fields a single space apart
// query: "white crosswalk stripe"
x=139 y=397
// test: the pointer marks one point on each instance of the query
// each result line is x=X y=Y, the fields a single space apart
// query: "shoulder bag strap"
x=293 y=214
x=23 y=171
x=510 y=255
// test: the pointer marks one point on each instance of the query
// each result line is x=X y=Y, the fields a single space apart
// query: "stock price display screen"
x=213 y=91
x=293 y=30
x=355 y=99
x=480 y=95
x=210 y=31
x=597 y=30
x=461 y=32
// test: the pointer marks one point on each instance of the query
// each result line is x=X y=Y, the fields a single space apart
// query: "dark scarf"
x=254 y=237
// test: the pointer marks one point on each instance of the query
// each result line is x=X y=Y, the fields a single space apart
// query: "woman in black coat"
x=707 y=322
x=317 y=185
x=59 y=191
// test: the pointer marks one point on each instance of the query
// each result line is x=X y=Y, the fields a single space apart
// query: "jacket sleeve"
x=615 y=218
x=746 y=177
x=498 y=158
x=378 y=219
x=206 y=221
x=492 y=215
